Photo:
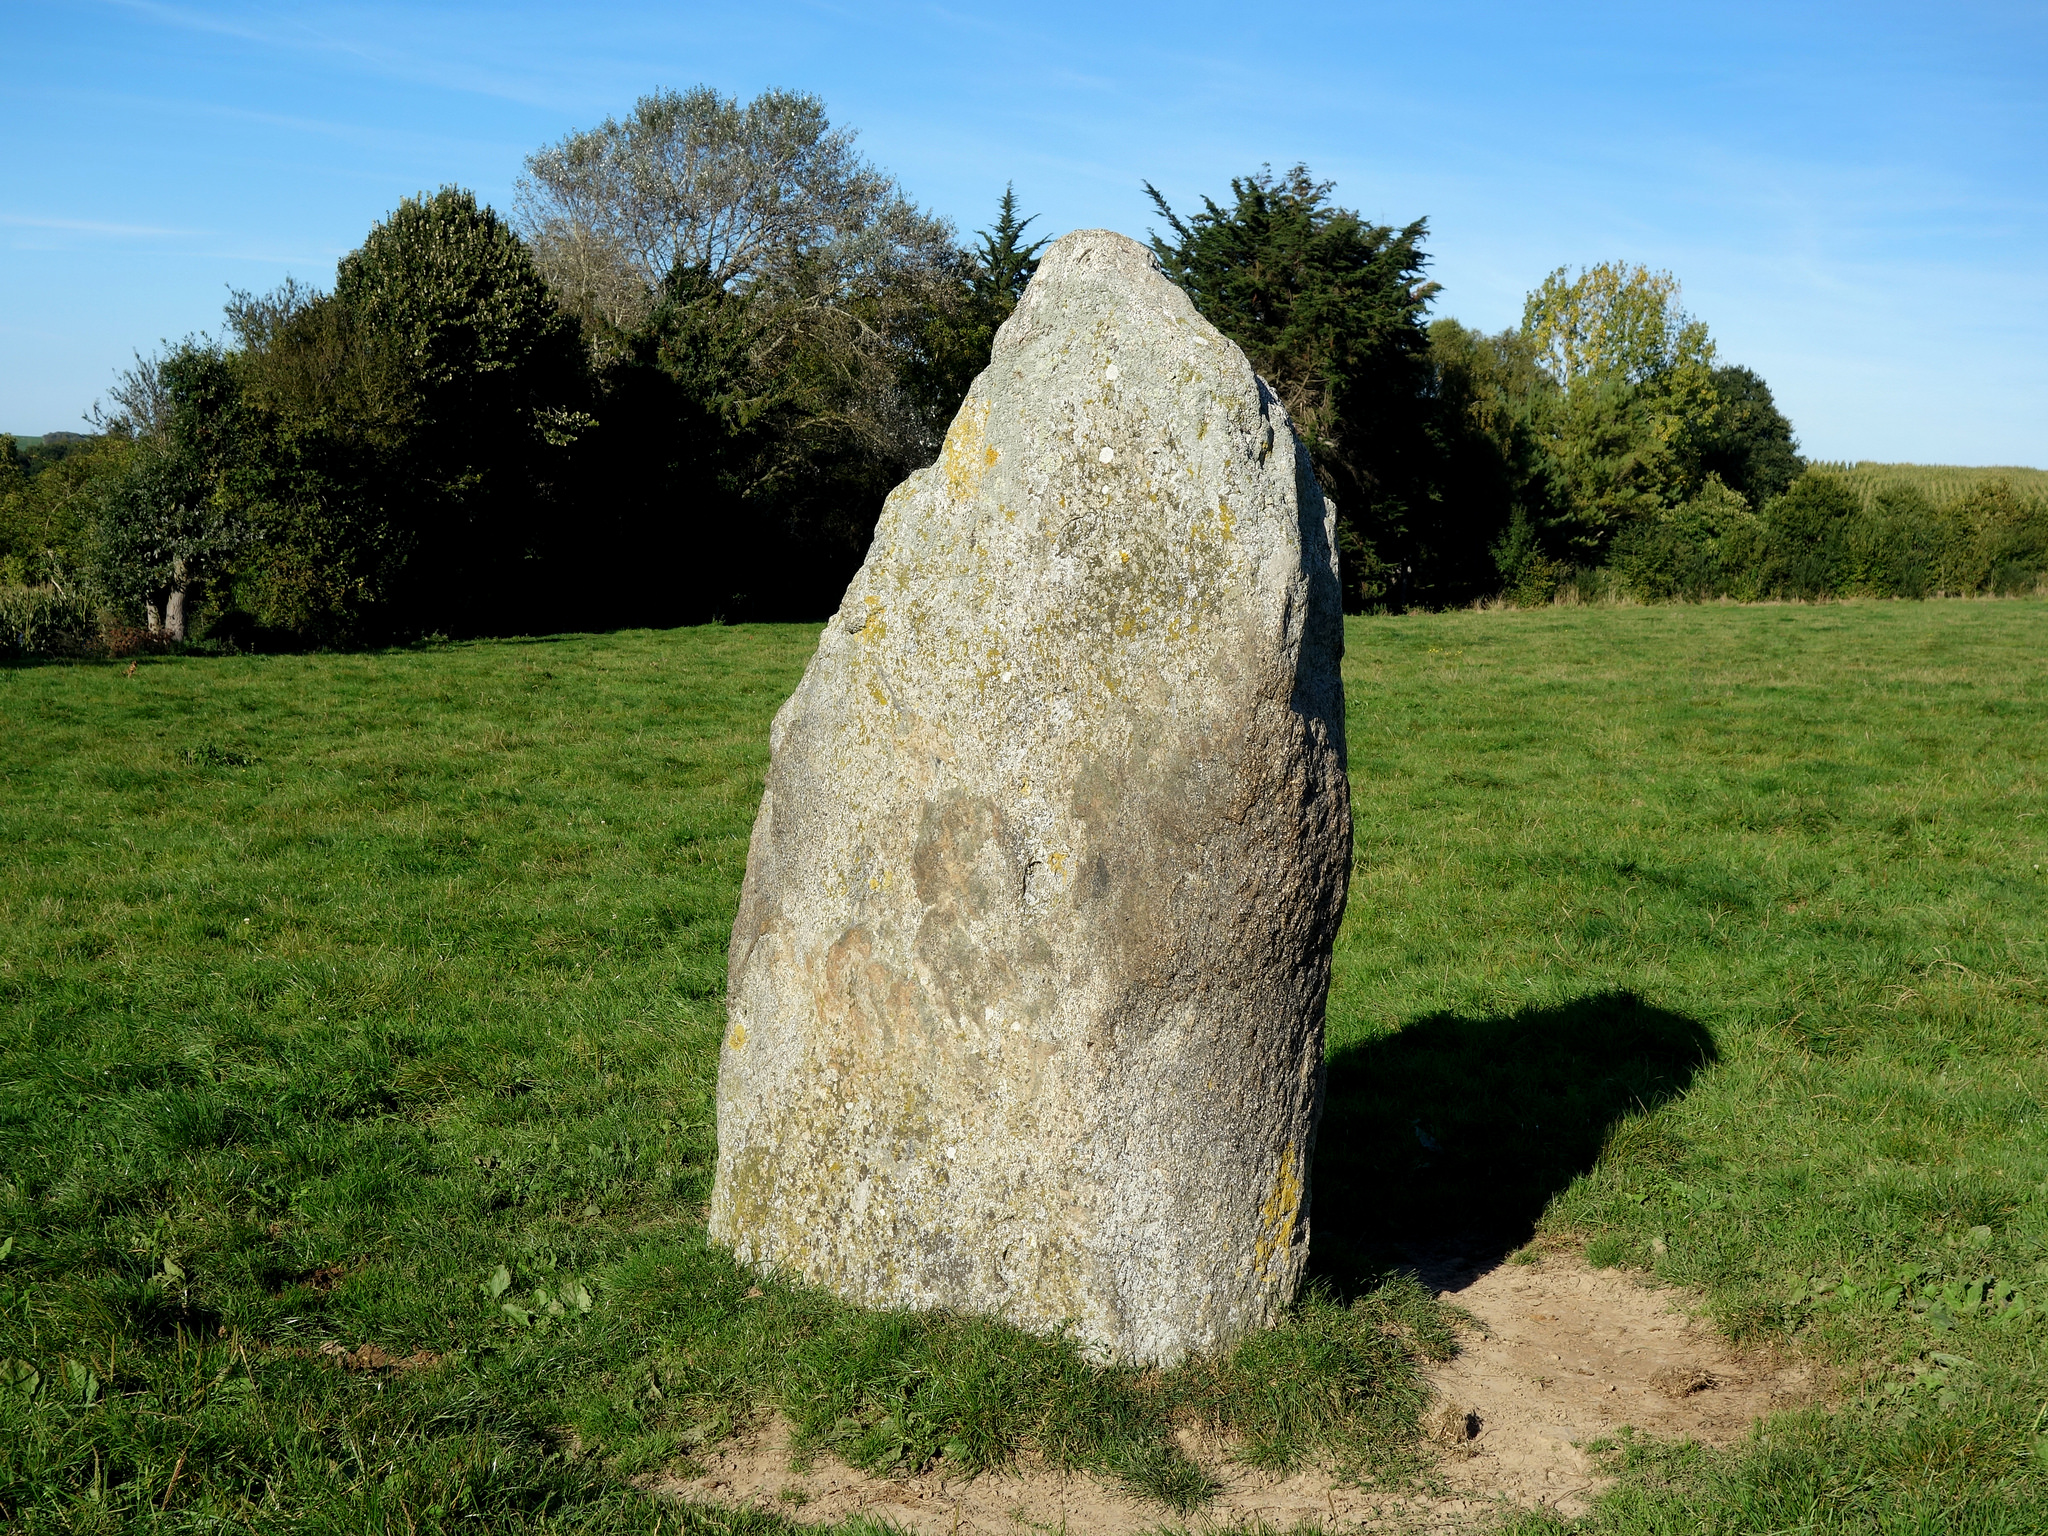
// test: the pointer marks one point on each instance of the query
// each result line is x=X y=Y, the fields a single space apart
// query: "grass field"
x=371 y=1003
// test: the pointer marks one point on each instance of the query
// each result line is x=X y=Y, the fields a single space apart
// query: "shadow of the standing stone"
x=1443 y=1141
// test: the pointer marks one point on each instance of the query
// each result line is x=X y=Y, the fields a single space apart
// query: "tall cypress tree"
x=1005 y=264
x=958 y=337
x=1330 y=310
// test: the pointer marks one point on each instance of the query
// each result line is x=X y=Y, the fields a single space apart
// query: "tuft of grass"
x=213 y=756
x=1332 y=1386
x=1608 y=1251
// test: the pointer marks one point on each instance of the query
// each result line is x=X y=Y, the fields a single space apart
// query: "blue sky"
x=1855 y=197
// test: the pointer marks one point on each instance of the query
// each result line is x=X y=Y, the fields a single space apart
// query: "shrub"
x=1892 y=547
x=1806 y=544
x=1530 y=576
x=1828 y=536
x=41 y=621
x=2011 y=537
x=1681 y=552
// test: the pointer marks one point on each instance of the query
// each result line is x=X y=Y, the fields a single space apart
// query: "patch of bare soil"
x=1568 y=1355
x=1560 y=1355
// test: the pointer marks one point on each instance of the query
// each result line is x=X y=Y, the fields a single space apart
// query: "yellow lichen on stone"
x=738 y=1039
x=967 y=455
x=1278 y=1214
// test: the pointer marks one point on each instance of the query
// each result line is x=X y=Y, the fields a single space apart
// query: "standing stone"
x=1026 y=988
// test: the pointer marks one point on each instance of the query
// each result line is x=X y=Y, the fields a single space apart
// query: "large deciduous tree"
x=780 y=337
x=1634 y=377
x=692 y=179
x=170 y=516
x=493 y=371
x=333 y=490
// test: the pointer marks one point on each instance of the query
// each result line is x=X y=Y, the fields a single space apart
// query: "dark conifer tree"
x=1749 y=443
x=1330 y=310
x=1005 y=264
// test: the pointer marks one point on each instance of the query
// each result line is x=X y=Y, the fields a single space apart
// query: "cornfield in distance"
x=1939 y=483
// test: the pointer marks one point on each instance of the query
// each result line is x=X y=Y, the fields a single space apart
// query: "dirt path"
x=1562 y=1355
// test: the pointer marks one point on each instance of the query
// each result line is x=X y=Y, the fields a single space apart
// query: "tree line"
x=677 y=383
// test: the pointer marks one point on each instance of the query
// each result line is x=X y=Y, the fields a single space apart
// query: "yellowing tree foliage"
x=1612 y=322
x=1636 y=397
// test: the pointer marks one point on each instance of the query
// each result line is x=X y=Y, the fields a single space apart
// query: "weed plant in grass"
x=374 y=1000
x=358 y=1031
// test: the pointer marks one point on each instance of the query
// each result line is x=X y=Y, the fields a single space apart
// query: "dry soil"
x=1558 y=1355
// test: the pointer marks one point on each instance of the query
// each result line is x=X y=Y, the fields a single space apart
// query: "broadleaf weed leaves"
x=211 y=756
x=84 y=1383
x=1938 y=1302
x=569 y=1298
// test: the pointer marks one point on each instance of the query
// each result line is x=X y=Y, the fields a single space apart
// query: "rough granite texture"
x=1027 y=982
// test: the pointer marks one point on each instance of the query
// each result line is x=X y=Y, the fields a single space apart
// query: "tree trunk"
x=174 y=602
x=154 y=615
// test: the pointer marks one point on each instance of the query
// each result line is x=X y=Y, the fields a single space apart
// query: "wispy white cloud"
x=447 y=59
x=193 y=21
x=364 y=134
x=91 y=226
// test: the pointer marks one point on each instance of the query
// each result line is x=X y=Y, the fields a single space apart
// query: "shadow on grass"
x=1443 y=1141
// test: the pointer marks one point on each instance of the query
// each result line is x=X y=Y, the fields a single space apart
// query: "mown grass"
x=1764 y=890
x=353 y=1000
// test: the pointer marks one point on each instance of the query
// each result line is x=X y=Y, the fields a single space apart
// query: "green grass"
x=1940 y=483
x=352 y=1000
x=375 y=1000
x=1764 y=889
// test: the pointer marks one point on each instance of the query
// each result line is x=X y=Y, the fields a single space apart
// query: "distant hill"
x=40 y=452
x=1938 y=482
x=53 y=439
